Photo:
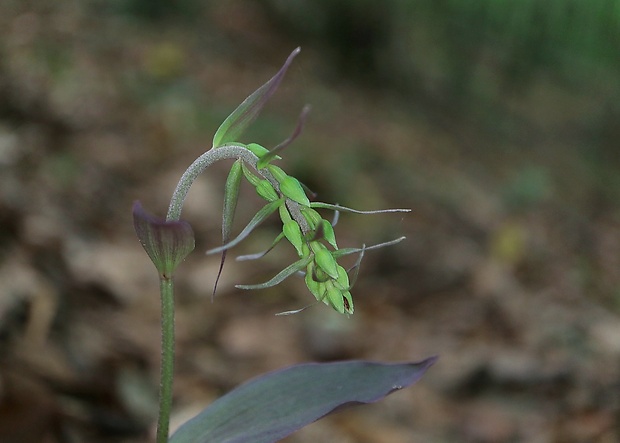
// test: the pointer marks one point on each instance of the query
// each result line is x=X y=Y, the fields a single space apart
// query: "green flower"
x=330 y=291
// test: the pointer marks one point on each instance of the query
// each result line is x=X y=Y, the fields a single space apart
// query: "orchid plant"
x=274 y=405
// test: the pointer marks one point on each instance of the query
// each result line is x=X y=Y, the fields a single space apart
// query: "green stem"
x=166 y=288
x=231 y=151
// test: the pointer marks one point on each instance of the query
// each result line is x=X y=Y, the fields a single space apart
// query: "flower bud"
x=316 y=288
x=328 y=233
x=266 y=190
x=250 y=176
x=277 y=173
x=348 y=302
x=324 y=259
x=313 y=217
x=334 y=297
x=292 y=232
x=343 y=279
x=291 y=188
x=167 y=243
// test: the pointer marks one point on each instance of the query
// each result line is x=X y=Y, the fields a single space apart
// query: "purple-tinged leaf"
x=167 y=243
x=231 y=196
x=275 y=405
x=258 y=218
x=237 y=122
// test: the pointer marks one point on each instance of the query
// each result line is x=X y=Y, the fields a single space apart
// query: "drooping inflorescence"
x=313 y=239
x=303 y=227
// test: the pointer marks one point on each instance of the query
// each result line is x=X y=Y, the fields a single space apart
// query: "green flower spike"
x=167 y=243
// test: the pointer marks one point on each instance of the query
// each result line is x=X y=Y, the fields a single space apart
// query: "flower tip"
x=136 y=207
x=290 y=58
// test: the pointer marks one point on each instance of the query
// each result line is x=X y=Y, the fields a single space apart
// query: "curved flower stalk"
x=169 y=241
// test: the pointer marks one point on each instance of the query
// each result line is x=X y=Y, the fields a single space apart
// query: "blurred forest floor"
x=510 y=271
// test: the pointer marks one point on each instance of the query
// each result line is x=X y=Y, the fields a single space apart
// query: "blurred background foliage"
x=496 y=121
x=483 y=63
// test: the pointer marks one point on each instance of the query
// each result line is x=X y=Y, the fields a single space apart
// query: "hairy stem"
x=200 y=164
x=225 y=152
x=166 y=288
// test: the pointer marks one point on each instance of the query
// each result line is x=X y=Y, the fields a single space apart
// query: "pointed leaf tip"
x=167 y=243
x=236 y=123
x=270 y=155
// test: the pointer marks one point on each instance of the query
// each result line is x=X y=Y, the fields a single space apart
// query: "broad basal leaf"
x=277 y=404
